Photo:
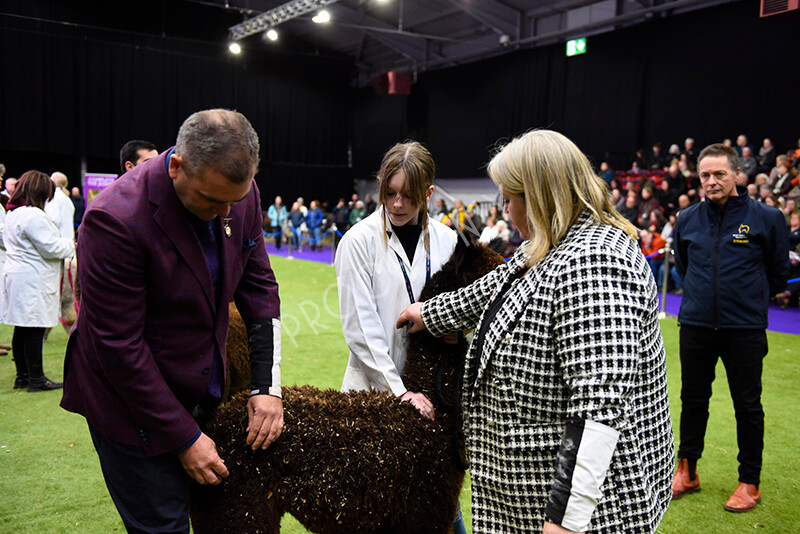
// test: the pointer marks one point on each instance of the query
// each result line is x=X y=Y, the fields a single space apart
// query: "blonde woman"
x=382 y=264
x=565 y=394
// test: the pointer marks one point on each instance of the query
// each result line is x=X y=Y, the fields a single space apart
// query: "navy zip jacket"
x=731 y=262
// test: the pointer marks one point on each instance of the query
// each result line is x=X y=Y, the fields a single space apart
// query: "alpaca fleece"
x=354 y=462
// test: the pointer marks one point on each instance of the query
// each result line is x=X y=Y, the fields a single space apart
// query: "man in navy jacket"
x=732 y=253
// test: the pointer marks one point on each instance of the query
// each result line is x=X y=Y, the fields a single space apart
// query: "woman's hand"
x=413 y=315
x=552 y=528
x=420 y=402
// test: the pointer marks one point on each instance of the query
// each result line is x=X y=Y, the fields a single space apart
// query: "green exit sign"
x=576 y=47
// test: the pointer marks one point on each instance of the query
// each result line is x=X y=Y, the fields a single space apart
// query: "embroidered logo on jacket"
x=743 y=236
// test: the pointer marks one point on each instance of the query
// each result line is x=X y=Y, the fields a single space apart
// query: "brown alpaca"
x=355 y=462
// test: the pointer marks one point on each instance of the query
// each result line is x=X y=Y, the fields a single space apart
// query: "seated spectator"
x=606 y=173
x=764 y=192
x=790 y=295
x=657 y=222
x=789 y=207
x=651 y=243
x=502 y=242
x=615 y=198
x=440 y=211
x=640 y=160
x=761 y=179
x=766 y=156
x=630 y=210
x=784 y=182
x=783 y=159
x=656 y=159
x=669 y=226
x=686 y=166
x=676 y=180
x=674 y=154
x=684 y=202
x=689 y=150
x=748 y=163
x=794 y=232
x=752 y=191
x=701 y=195
x=647 y=204
x=457 y=216
x=794 y=192
x=742 y=179
x=473 y=224
x=494 y=212
x=489 y=232
x=741 y=144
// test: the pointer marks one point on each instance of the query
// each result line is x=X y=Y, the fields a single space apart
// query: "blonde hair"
x=558 y=183
x=419 y=169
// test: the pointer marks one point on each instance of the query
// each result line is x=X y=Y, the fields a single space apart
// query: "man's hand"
x=412 y=314
x=552 y=528
x=202 y=462
x=420 y=402
x=265 y=420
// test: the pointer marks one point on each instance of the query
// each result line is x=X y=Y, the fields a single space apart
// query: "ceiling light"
x=322 y=17
x=272 y=35
x=275 y=16
x=235 y=48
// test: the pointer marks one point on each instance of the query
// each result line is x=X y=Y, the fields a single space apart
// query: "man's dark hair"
x=130 y=151
x=718 y=149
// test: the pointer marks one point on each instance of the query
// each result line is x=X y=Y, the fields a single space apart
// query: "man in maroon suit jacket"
x=162 y=252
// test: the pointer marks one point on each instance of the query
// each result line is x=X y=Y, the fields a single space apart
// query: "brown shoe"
x=681 y=483
x=744 y=499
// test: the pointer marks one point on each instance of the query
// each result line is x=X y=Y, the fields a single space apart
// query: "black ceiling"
x=376 y=36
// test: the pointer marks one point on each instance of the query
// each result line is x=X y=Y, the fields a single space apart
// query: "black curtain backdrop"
x=73 y=92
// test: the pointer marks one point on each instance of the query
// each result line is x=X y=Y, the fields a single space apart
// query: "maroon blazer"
x=139 y=355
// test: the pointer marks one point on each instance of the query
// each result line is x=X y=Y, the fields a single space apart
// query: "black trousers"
x=742 y=353
x=278 y=237
x=26 y=345
x=148 y=491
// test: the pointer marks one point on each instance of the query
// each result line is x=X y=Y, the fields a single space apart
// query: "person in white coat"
x=62 y=211
x=60 y=208
x=3 y=348
x=382 y=264
x=29 y=293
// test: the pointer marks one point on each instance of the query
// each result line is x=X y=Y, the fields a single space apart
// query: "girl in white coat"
x=30 y=286
x=382 y=264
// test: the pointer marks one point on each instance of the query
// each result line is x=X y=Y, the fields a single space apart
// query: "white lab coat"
x=34 y=254
x=372 y=294
x=62 y=211
x=2 y=242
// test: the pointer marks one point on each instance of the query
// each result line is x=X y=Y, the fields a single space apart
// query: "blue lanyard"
x=405 y=274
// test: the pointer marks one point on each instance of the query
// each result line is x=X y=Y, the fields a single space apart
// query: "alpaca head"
x=430 y=359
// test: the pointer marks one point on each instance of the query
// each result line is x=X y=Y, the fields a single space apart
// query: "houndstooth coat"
x=576 y=341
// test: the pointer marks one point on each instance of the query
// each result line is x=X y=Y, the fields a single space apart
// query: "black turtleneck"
x=408 y=234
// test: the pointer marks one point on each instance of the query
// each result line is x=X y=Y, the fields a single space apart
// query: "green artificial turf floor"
x=50 y=480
